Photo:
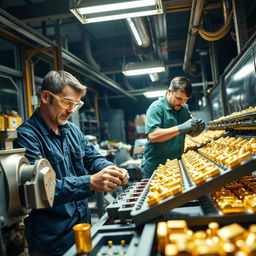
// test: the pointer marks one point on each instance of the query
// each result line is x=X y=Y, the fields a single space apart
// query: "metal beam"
x=138 y=92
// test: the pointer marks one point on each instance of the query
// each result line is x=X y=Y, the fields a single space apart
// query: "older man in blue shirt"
x=49 y=134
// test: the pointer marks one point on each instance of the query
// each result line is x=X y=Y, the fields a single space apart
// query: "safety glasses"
x=67 y=104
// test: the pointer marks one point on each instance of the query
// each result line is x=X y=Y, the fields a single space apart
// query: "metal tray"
x=142 y=213
x=243 y=121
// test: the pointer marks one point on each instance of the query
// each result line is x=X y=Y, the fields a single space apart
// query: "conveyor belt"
x=142 y=213
x=238 y=122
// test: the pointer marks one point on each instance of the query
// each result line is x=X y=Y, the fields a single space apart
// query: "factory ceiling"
x=182 y=38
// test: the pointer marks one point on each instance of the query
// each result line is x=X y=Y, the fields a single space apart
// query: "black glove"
x=188 y=126
x=199 y=127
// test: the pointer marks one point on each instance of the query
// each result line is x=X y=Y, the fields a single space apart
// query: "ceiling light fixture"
x=134 y=31
x=89 y=11
x=141 y=68
x=154 y=94
x=154 y=77
x=139 y=31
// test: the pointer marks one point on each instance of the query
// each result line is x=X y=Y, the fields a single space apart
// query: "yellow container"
x=83 y=238
x=13 y=122
x=2 y=123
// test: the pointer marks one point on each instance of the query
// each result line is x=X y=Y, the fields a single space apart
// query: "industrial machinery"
x=22 y=187
x=213 y=183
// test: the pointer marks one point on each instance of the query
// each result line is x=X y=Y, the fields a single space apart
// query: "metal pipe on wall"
x=195 y=17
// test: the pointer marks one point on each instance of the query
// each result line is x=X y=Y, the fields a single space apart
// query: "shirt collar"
x=45 y=128
x=166 y=104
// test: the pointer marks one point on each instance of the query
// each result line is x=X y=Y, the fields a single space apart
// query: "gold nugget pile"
x=199 y=168
x=174 y=238
x=207 y=136
x=245 y=111
x=237 y=197
x=167 y=181
x=229 y=151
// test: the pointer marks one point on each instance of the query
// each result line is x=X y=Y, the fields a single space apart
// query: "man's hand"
x=126 y=176
x=188 y=126
x=108 y=179
x=198 y=129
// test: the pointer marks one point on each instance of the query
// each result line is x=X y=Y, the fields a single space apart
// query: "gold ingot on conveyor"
x=212 y=171
x=232 y=161
x=162 y=236
x=208 y=249
x=171 y=250
x=231 y=233
x=177 y=226
x=153 y=198
x=251 y=203
x=233 y=208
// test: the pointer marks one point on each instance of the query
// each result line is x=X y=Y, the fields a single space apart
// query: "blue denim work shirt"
x=70 y=154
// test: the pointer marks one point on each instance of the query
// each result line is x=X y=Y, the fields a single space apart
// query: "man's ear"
x=169 y=90
x=44 y=96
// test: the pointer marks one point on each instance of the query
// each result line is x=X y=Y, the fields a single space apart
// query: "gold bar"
x=162 y=236
x=177 y=226
x=231 y=232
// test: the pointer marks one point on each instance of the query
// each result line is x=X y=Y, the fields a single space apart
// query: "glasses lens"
x=68 y=104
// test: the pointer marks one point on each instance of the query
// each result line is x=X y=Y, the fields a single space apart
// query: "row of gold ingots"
x=174 y=238
x=229 y=151
x=198 y=167
x=204 y=137
x=207 y=136
x=167 y=181
x=237 y=197
x=248 y=110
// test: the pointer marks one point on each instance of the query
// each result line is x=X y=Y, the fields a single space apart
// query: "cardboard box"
x=140 y=120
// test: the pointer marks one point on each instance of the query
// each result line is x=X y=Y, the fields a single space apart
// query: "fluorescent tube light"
x=134 y=31
x=143 y=71
x=154 y=94
x=116 y=6
x=141 y=68
x=89 y=11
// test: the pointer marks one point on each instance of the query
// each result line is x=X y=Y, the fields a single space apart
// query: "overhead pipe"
x=160 y=30
x=15 y=24
x=140 y=92
x=194 y=21
x=88 y=52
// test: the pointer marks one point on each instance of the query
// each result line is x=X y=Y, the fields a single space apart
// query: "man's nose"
x=70 y=111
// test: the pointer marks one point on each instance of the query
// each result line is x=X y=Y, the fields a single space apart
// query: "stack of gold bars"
x=175 y=238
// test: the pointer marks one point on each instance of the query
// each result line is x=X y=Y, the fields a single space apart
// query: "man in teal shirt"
x=167 y=122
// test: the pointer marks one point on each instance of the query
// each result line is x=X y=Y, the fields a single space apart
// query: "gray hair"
x=181 y=83
x=56 y=81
